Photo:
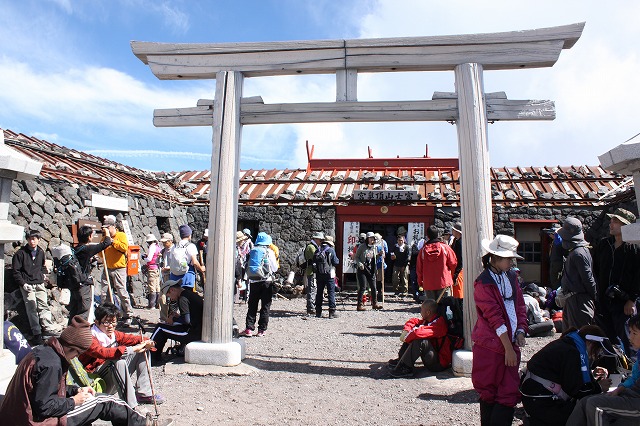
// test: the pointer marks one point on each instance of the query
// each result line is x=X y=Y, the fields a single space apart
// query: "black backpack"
x=69 y=273
x=320 y=261
x=449 y=309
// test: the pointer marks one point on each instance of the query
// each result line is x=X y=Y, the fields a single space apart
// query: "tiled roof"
x=547 y=185
x=511 y=186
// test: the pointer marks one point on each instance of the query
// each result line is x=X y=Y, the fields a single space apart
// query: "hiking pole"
x=106 y=274
x=148 y=364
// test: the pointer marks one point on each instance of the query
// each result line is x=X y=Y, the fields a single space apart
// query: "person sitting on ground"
x=115 y=356
x=538 y=319
x=623 y=404
x=185 y=327
x=38 y=394
x=560 y=373
x=421 y=337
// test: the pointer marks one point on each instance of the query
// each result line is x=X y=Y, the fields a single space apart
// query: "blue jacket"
x=633 y=381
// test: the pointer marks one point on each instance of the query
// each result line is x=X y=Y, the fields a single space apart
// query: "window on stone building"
x=163 y=224
x=531 y=251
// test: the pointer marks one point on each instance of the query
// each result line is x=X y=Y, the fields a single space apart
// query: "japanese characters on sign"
x=416 y=232
x=384 y=195
x=351 y=234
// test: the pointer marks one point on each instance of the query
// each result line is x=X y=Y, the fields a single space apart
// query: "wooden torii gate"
x=469 y=107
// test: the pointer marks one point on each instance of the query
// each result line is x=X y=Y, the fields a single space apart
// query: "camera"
x=613 y=292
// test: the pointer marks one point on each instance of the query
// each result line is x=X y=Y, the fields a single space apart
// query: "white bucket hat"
x=502 y=245
x=151 y=238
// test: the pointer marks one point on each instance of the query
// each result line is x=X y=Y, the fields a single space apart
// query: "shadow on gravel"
x=275 y=313
x=462 y=397
x=379 y=334
x=307 y=368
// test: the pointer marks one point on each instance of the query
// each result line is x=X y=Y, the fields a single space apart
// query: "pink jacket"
x=492 y=312
x=435 y=266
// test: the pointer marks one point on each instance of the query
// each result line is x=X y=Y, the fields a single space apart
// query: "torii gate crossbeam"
x=228 y=63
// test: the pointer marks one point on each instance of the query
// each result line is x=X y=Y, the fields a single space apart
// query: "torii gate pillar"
x=475 y=191
x=217 y=346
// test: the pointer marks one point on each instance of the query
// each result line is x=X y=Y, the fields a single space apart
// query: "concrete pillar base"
x=222 y=354
x=461 y=363
x=7 y=368
x=631 y=233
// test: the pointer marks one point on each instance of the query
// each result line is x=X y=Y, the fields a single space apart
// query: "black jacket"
x=85 y=252
x=559 y=362
x=619 y=266
x=28 y=270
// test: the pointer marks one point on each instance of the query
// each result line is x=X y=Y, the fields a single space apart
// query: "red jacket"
x=97 y=354
x=492 y=312
x=436 y=331
x=435 y=267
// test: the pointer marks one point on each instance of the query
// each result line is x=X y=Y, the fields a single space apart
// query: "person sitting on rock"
x=538 y=320
x=423 y=337
x=185 y=327
x=115 y=356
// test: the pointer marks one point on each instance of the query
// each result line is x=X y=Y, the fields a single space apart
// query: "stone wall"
x=289 y=226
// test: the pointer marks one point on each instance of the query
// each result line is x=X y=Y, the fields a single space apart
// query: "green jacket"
x=309 y=251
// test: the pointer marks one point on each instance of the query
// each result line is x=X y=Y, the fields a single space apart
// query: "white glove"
x=360 y=266
x=28 y=287
x=403 y=335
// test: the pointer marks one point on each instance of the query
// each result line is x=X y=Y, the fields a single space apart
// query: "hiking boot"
x=361 y=307
x=402 y=371
x=393 y=363
x=149 y=399
x=260 y=333
x=318 y=314
x=247 y=333
x=332 y=314
x=376 y=306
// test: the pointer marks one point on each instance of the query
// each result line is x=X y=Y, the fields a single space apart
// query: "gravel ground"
x=319 y=371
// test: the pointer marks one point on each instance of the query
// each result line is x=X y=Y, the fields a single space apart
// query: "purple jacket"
x=492 y=312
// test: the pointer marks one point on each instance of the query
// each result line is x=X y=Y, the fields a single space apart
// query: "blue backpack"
x=258 y=264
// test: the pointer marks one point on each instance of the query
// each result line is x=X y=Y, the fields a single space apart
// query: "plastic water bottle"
x=449 y=313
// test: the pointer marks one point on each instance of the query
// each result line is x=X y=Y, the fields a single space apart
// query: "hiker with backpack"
x=366 y=272
x=153 y=258
x=324 y=260
x=436 y=265
x=261 y=267
x=499 y=332
x=426 y=338
x=183 y=259
x=310 y=276
x=82 y=298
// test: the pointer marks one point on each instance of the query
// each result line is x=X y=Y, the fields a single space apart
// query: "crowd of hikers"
x=588 y=376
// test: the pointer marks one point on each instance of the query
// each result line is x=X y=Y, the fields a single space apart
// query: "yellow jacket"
x=115 y=253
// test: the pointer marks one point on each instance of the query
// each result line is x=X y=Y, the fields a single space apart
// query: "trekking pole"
x=148 y=364
x=106 y=274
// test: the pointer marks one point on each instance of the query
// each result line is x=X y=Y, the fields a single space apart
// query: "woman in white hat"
x=153 y=272
x=498 y=333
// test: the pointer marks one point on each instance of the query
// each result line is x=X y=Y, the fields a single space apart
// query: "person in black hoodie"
x=616 y=268
x=561 y=373
x=28 y=274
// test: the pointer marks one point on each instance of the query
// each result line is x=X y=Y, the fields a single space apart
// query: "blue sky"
x=67 y=75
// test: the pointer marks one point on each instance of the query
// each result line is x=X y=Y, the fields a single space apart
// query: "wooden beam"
x=436 y=110
x=346 y=85
x=507 y=50
x=454 y=95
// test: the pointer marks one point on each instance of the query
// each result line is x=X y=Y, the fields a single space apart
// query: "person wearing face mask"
x=499 y=332
x=577 y=278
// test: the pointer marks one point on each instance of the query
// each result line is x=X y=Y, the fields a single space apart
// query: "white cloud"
x=65 y=5
x=173 y=17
